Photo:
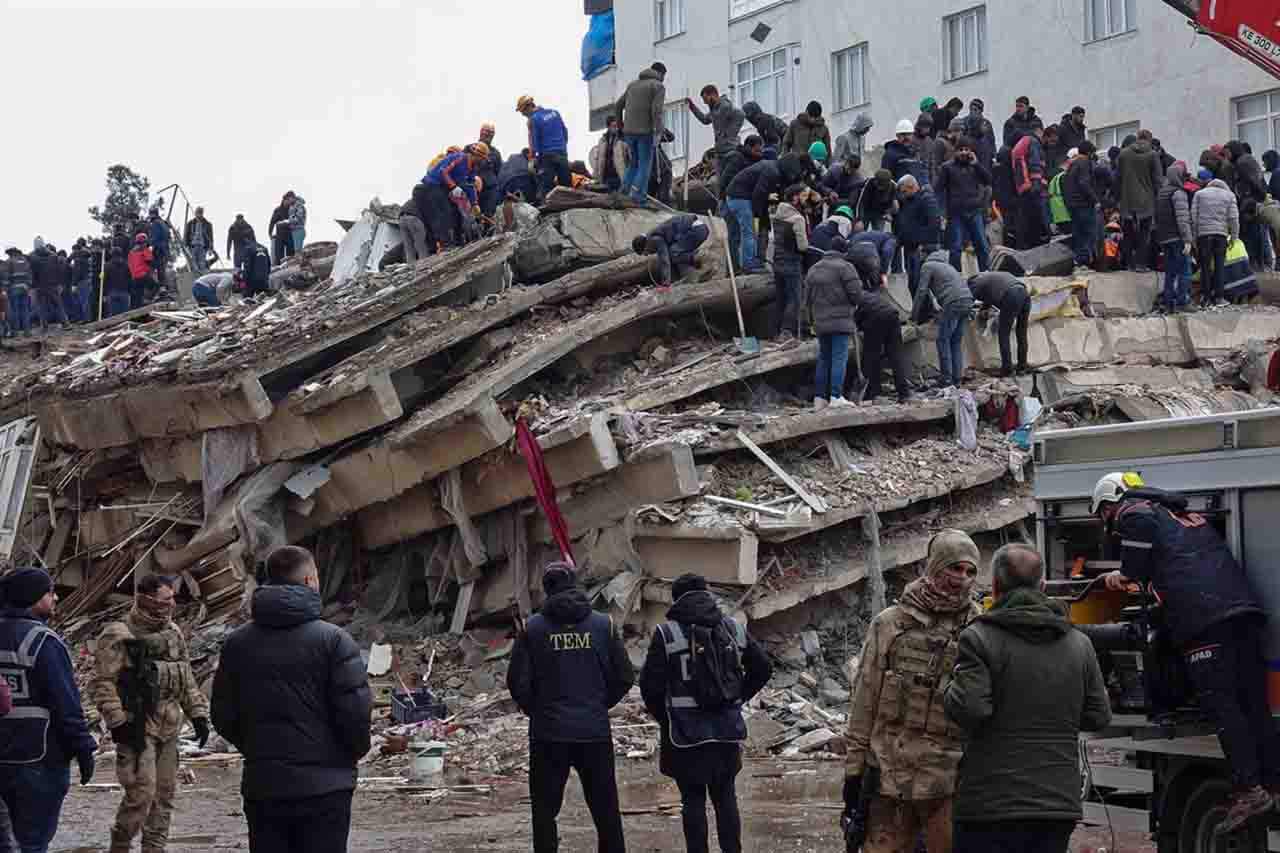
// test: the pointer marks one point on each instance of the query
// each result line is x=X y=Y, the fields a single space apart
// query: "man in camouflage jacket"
x=149 y=776
x=896 y=722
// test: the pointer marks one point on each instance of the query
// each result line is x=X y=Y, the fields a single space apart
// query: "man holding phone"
x=961 y=186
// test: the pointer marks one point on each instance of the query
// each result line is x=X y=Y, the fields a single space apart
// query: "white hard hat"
x=1111 y=488
x=905 y=126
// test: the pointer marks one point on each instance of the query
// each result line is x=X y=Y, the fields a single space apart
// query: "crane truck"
x=1173 y=781
x=1250 y=28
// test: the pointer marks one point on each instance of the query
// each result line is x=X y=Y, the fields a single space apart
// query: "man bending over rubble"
x=568 y=668
x=675 y=243
x=142 y=685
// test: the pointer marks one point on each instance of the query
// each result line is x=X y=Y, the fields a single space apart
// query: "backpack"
x=715 y=665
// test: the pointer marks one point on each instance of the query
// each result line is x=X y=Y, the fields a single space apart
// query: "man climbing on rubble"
x=1213 y=618
x=278 y=229
x=787 y=247
x=239 y=231
x=568 y=668
x=639 y=110
x=1010 y=296
x=516 y=178
x=143 y=685
x=900 y=745
x=751 y=151
x=833 y=294
x=675 y=244
x=725 y=120
x=548 y=144
x=198 y=235
x=255 y=268
x=413 y=224
x=941 y=283
x=292 y=695
x=1026 y=683
x=447 y=182
x=46 y=728
x=141 y=258
x=701 y=668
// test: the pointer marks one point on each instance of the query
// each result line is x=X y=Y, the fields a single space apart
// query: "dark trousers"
x=970 y=225
x=693 y=810
x=33 y=795
x=553 y=169
x=1212 y=253
x=549 y=766
x=677 y=259
x=440 y=217
x=310 y=825
x=882 y=339
x=1084 y=231
x=1229 y=674
x=912 y=258
x=788 y=277
x=1014 y=836
x=1251 y=234
x=1015 y=313
x=1136 y=248
x=281 y=248
x=51 y=308
x=1033 y=230
x=138 y=293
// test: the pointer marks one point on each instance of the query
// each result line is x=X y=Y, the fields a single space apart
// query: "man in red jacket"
x=141 y=259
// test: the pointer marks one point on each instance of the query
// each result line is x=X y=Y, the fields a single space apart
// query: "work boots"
x=1245 y=806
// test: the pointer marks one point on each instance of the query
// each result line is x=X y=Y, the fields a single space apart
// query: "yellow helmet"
x=523 y=103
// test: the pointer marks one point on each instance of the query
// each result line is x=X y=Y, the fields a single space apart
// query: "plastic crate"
x=425 y=706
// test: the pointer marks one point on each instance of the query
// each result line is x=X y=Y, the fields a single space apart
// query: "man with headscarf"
x=143 y=668
x=46 y=728
x=568 y=668
x=911 y=757
x=701 y=740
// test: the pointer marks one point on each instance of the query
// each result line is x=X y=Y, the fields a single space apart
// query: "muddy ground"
x=786 y=806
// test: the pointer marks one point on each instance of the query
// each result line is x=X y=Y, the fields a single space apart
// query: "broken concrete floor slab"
x=1059 y=384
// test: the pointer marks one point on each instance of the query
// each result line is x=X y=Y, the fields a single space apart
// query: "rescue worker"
x=143 y=685
x=548 y=144
x=675 y=243
x=18 y=282
x=1213 y=618
x=1003 y=291
x=46 y=728
x=701 y=740
x=568 y=668
x=447 y=181
x=488 y=172
x=255 y=268
x=897 y=728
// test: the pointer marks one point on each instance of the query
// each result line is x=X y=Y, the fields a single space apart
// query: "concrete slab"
x=1125 y=293
x=1059 y=384
x=718 y=371
x=1213 y=334
x=722 y=555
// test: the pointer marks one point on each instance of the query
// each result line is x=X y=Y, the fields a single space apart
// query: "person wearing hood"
x=701 y=742
x=978 y=128
x=838 y=224
x=833 y=294
x=291 y=693
x=941 y=282
x=1010 y=296
x=1026 y=684
x=942 y=116
x=725 y=120
x=906 y=664
x=1174 y=236
x=1140 y=177
x=771 y=128
x=877 y=201
x=147 y=748
x=807 y=128
x=1214 y=620
x=675 y=244
x=964 y=183
x=1251 y=192
x=851 y=142
x=748 y=197
x=918 y=224
x=568 y=668
x=46 y=728
x=640 y=112
x=844 y=181
x=787 y=248
x=1215 y=220
x=239 y=231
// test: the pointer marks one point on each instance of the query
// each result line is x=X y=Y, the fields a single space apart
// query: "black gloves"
x=202 y=730
x=85 y=760
x=852 y=792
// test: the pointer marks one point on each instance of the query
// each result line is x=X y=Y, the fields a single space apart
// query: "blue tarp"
x=597 y=45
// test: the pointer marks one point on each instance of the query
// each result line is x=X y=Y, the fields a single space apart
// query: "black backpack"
x=715 y=665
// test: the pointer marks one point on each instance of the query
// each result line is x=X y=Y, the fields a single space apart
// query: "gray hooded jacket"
x=941 y=281
x=1214 y=211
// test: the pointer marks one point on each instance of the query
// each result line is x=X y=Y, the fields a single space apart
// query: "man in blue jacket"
x=548 y=142
x=158 y=233
x=567 y=670
x=46 y=727
x=917 y=224
x=674 y=243
x=452 y=179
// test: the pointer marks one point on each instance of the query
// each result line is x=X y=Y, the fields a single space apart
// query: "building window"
x=675 y=118
x=738 y=8
x=764 y=79
x=1257 y=120
x=964 y=43
x=1105 y=137
x=849 y=75
x=1107 y=18
x=668 y=18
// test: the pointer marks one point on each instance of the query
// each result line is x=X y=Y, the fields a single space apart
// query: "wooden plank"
x=816 y=504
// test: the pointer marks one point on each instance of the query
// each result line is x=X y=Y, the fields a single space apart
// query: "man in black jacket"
x=255 y=268
x=749 y=152
x=1213 y=619
x=1081 y=198
x=292 y=695
x=1001 y=290
x=1026 y=683
x=239 y=232
x=1018 y=125
x=675 y=244
x=279 y=231
x=961 y=183
x=198 y=235
x=748 y=198
x=567 y=670
x=701 y=747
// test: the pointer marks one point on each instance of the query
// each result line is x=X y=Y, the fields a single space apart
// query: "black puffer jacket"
x=770 y=127
x=961 y=184
x=1077 y=185
x=1173 y=207
x=733 y=164
x=834 y=291
x=292 y=695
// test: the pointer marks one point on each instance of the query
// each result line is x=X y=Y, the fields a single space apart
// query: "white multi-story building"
x=1130 y=63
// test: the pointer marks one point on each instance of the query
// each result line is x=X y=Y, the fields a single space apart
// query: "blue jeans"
x=972 y=225
x=744 y=222
x=88 y=307
x=117 y=302
x=1084 y=234
x=833 y=359
x=636 y=181
x=200 y=258
x=34 y=795
x=1177 y=289
x=912 y=255
x=735 y=238
x=299 y=237
x=20 y=309
x=205 y=295
x=951 y=327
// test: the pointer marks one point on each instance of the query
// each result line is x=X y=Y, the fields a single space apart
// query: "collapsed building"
x=371 y=415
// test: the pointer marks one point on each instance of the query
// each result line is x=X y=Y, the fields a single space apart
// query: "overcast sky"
x=340 y=101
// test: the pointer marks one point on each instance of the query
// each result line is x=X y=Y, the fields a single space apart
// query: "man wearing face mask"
x=143 y=685
x=900 y=741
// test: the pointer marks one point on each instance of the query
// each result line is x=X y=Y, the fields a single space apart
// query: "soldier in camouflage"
x=147 y=754
x=896 y=723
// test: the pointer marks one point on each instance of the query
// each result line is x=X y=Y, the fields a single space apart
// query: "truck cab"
x=1174 y=781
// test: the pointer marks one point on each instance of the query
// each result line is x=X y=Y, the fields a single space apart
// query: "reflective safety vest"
x=24 y=731
x=690 y=725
